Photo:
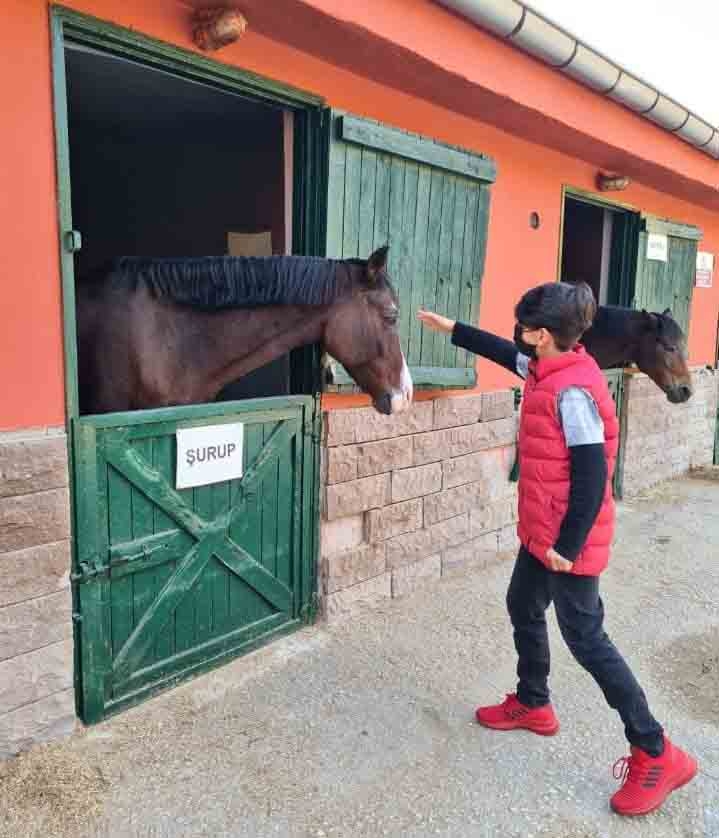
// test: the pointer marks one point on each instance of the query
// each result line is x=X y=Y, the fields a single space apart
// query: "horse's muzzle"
x=391 y=403
x=397 y=401
x=679 y=394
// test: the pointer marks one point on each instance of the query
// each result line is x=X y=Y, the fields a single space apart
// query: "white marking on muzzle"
x=402 y=398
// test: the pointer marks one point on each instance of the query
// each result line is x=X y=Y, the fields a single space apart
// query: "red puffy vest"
x=544 y=458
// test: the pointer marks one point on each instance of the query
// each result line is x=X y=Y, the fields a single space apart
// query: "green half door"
x=171 y=581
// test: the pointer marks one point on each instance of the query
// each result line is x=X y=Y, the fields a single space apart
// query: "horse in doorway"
x=160 y=332
x=652 y=341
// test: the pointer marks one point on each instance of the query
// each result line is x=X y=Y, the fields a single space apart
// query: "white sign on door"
x=657 y=247
x=209 y=455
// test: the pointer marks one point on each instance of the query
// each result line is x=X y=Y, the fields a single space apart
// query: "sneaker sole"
x=686 y=778
x=545 y=731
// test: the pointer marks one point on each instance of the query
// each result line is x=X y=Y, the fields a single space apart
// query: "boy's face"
x=534 y=341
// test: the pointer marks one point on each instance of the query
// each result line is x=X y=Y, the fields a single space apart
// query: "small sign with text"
x=657 y=247
x=209 y=455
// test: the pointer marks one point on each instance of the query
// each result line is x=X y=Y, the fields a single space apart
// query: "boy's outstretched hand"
x=435 y=321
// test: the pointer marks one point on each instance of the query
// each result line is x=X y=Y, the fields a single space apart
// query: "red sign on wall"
x=705 y=270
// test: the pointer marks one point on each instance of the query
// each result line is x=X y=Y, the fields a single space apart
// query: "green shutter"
x=660 y=285
x=430 y=202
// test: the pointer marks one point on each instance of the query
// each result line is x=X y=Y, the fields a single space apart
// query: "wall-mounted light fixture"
x=607 y=182
x=213 y=29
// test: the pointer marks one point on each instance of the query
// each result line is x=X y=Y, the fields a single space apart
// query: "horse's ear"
x=667 y=313
x=649 y=320
x=377 y=263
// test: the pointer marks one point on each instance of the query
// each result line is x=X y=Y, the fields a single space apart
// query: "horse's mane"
x=611 y=322
x=218 y=282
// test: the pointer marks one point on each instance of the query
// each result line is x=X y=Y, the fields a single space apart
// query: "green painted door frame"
x=625 y=237
x=637 y=282
x=622 y=275
x=309 y=224
x=615 y=380
x=311 y=119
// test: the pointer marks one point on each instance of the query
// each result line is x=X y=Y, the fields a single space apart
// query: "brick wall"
x=664 y=440
x=36 y=672
x=408 y=499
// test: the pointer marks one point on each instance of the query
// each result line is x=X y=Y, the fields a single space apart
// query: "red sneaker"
x=648 y=781
x=511 y=714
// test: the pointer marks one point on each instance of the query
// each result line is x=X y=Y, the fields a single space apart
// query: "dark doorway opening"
x=165 y=166
x=599 y=247
x=585 y=251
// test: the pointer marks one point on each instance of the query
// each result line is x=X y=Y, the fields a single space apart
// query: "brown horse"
x=654 y=342
x=159 y=332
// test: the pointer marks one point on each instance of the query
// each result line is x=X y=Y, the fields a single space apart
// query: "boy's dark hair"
x=564 y=309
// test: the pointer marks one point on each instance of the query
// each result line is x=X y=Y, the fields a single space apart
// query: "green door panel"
x=170 y=581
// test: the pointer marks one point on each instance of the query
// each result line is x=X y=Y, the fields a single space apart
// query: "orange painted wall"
x=530 y=178
x=31 y=369
x=449 y=41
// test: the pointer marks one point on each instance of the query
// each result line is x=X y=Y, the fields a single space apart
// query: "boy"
x=568 y=439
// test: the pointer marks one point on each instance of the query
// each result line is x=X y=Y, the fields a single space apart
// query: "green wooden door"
x=167 y=581
x=623 y=258
x=667 y=284
x=430 y=202
x=615 y=381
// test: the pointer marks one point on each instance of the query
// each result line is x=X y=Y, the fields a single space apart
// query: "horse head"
x=662 y=355
x=361 y=333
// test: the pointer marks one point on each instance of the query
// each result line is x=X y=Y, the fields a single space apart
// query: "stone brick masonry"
x=663 y=440
x=412 y=498
x=36 y=671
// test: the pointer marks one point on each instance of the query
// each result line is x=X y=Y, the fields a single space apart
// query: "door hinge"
x=309 y=429
x=310 y=610
x=73 y=241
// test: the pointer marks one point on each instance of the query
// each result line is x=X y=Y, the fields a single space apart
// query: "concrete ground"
x=365 y=728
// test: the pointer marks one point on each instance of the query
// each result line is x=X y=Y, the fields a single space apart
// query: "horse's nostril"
x=384 y=404
x=679 y=393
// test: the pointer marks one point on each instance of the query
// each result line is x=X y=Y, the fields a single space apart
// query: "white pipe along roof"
x=518 y=24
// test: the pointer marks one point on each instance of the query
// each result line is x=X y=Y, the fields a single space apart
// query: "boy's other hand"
x=435 y=321
x=558 y=563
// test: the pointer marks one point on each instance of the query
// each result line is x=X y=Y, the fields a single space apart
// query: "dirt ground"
x=364 y=728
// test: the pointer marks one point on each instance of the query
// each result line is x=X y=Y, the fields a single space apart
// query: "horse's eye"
x=670 y=349
x=391 y=317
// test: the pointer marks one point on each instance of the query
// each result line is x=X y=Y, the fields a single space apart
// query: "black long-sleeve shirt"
x=588 y=462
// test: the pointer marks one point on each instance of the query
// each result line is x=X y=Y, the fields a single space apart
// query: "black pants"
x=580 y=614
